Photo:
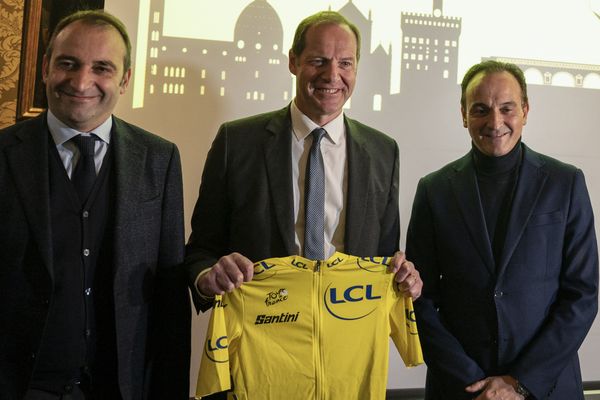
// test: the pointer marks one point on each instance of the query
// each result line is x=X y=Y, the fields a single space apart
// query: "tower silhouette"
x=430 y=45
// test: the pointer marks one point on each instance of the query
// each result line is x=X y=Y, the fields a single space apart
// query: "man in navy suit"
x=251 y=201
x=505 y=243
x=93 y=303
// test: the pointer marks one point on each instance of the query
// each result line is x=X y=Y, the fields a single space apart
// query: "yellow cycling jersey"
x=306 y=329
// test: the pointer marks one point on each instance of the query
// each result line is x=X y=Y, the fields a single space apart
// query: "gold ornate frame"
x=30 y=82
x=39 y=19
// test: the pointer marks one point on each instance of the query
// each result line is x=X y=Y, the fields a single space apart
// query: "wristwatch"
x=520 y=389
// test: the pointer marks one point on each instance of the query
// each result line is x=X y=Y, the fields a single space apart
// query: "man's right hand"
x=227 y=274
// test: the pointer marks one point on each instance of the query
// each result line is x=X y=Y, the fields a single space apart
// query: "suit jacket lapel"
x=466 y=192
x=529 y=186
x=278 y=155
x=28 y=161
x=129 y=165
x=359 y=174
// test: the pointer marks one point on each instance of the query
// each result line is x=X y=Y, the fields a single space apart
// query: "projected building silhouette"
x=248 y=70
x=251 y=71
x=249 y=74
x=549 y=72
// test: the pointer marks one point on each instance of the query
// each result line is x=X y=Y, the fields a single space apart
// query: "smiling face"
x=85 y=75
x=325 y=71
x=494 y=112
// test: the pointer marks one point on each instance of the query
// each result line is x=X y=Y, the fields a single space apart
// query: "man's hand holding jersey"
x=408 y=278
x=232 y=270
x=226 y=275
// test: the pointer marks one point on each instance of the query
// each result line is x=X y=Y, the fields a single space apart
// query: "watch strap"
x=520 y=389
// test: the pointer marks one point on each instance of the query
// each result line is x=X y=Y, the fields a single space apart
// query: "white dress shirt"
x=333 y=149
x=68 y=151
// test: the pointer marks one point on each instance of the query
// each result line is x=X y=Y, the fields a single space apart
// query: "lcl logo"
x=373 y=264
x=335 y=298
x=353 y=294
x=212 y=349
x=220 y=344
x=260 y=268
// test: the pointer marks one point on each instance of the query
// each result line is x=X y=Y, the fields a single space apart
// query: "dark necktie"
x=314 y=200
x=84 y=175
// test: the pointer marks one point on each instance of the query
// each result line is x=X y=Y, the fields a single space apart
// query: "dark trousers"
x=75 y=394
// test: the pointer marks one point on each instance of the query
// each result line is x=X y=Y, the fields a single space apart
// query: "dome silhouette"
x=259 y=27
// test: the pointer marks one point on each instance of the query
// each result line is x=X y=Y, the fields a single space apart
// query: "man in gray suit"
x=251 y=204
x=93 y=304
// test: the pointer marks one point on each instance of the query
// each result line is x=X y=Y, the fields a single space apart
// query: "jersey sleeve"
x=214 y=374
x=404 y=330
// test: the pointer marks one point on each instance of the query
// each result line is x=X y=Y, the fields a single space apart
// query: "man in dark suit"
x=504 y=240
x=251 y=201
x=93 y=304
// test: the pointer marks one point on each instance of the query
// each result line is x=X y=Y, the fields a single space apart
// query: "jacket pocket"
x=546 y=218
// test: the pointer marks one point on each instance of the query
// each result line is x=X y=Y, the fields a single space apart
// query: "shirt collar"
x=302 y=126
x=61 y=133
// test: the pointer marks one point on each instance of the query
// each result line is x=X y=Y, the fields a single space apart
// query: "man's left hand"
x=495 y=387
x=408 y=278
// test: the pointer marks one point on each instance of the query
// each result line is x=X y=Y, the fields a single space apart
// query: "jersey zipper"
x=319 y=375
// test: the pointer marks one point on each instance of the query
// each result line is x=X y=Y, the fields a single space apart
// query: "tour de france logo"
x=352 y=302
x=276 y=297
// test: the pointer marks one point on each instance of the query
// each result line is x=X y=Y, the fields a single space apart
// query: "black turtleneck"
x=497 y=179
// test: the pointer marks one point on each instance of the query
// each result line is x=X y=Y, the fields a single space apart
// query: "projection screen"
x=198 y=63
